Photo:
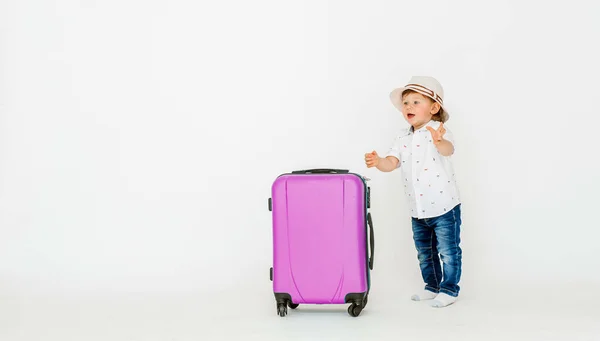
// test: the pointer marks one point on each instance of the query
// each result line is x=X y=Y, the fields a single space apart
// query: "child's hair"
x=436 y=117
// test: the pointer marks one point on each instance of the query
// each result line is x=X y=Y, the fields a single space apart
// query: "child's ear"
x=435 y=108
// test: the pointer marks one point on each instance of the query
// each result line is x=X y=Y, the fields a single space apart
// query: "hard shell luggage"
x=321 y=223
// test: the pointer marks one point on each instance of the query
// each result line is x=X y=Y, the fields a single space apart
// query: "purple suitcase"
x=321 y=221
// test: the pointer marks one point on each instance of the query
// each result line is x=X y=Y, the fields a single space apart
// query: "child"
x=423 y=154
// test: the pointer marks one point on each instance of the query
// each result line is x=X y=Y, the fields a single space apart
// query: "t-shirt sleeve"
x=449 y=136
x=394 y=150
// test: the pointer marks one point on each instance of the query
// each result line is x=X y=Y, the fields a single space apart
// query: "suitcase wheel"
x=284 y=301
x=354 y=309
x=281 y=309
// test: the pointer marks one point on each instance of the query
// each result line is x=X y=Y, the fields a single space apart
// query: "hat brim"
x=396 y=98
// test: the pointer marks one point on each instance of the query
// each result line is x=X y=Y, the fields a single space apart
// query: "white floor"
x=564 y=313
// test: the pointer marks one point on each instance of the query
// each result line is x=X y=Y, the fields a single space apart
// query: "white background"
x=139 y=141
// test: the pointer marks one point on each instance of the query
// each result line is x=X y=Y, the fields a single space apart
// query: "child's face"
x=418 y=109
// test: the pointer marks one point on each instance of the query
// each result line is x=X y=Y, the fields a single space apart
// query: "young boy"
x=423 y=153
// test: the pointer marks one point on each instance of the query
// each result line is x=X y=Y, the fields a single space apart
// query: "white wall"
x=139 y=139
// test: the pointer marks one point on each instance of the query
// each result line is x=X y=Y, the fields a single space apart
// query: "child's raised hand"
x=372 y=159
x=437 y=135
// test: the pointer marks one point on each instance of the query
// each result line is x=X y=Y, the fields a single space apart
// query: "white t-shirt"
x=429 y=181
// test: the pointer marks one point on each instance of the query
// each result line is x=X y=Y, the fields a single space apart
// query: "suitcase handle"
x=371 y=240
x=320 y=170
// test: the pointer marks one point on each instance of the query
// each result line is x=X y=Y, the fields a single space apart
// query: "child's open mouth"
x=410 y=115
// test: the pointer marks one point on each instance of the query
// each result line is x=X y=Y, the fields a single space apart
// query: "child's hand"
x=372 y=159
x=437 y=135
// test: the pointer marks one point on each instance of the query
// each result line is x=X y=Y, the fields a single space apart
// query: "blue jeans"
x=435 y=237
